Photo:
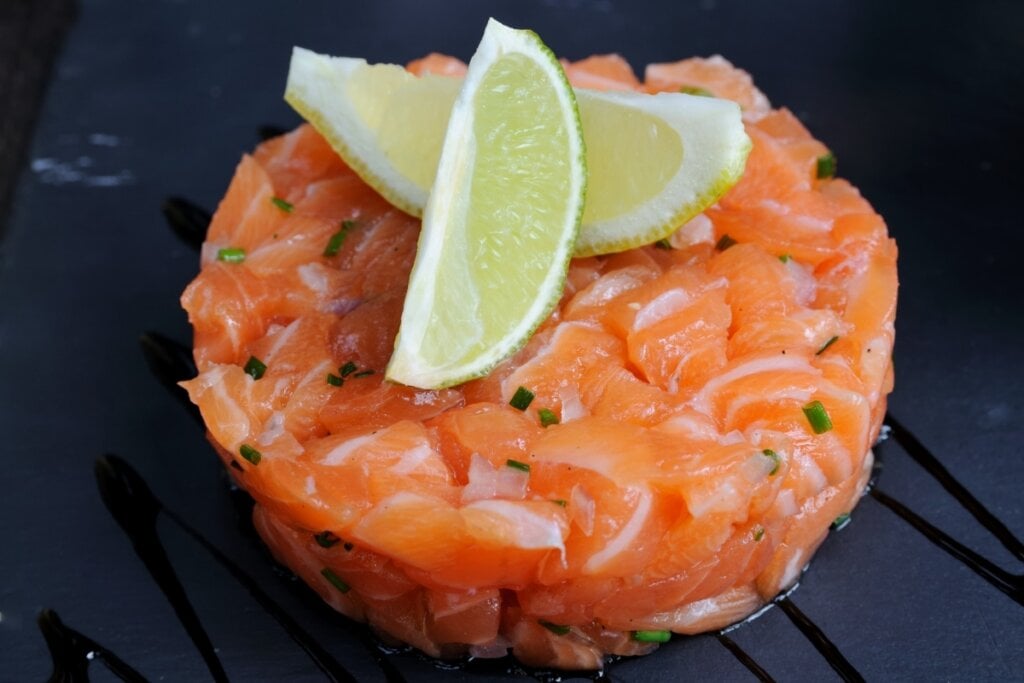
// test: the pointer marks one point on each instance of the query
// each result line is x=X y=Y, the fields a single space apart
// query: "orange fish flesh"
x=681 y=488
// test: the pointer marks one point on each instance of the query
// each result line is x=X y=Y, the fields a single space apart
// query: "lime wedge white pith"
x=655 y=161
x=502 y=217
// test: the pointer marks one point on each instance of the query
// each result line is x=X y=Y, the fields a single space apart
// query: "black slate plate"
x=922 y=105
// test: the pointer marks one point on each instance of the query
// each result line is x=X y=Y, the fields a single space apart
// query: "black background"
x=921 y=102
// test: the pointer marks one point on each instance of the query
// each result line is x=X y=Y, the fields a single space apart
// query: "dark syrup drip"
x=243 y=504
x=820 y=641
x=745 y=659
x=1011 y=584
x=321 y=657
x=1007 y=582
x=923 y=457
x=72 y=652
x=171 y=362
x=267 y=132
x=136 y=509
x=188 y=221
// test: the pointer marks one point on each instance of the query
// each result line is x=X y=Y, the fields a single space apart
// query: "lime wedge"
x=501 y=219
x=655 y=161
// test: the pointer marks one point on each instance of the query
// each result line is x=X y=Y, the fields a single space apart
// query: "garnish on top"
x=496 y=164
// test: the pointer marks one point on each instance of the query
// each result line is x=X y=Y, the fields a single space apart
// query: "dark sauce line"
x=135 y=509
x=820 y=641
x=171 y=362
x=188 y=221
x=1012 y=585
x=302 y=638
x=923 y=457
x=72 y=652
x=745 y=659
x=243 y=506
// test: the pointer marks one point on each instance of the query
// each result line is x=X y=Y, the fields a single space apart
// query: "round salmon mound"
x=702 y=409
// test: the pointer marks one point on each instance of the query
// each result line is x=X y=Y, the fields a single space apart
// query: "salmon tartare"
x=663 y=456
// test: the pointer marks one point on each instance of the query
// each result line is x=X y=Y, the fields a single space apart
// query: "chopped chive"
x=818 y=417
x=325 y=539
x=231 y=254
x=652 y=636
x=724 y=243
x=776 y=460
x=334 y=380
x=758 y=533
x=522 y=399
x=559 y=501
x=282 y=204
x=827 y=344
x=547 y=417
x=335 y=580
x=663 y=243
x=696 y=90
x=348 y=547
x=841 y=521
x=334 y=244
x=557 y=629
x=250 y=454
x=363 y=373
x=516 y=465
x=826 y=165
x=785 y=258
x=347 y=369
x=255 y=367
x=338 y=238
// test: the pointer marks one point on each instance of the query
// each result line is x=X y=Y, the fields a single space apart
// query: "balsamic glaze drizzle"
x=72 y=652
x=328 y=664
x=188 y=221
x=171 y=363
x=1007 y=582
x=1011 y=584
x=922 y=456
x=136 y=509
x=820 y=641
x=745 y=659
